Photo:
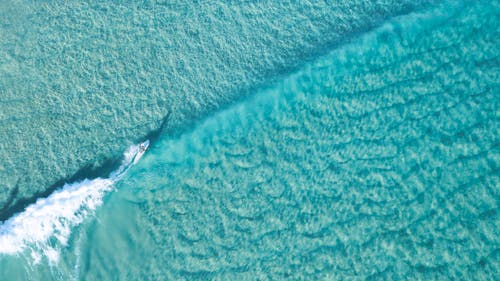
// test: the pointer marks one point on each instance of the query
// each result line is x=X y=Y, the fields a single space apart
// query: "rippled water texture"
x=378 y=161
x=80 y=82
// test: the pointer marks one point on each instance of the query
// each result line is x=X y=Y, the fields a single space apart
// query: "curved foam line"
x=51 y=218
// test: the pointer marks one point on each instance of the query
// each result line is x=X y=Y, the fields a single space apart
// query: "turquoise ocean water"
x=82 y=81
x=376 y=159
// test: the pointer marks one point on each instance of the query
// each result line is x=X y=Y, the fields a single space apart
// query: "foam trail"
x=46 y=225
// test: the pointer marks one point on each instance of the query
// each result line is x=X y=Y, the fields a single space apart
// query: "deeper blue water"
x=377 y=160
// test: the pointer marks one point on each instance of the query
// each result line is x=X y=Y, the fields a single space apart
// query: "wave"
x=43 y=227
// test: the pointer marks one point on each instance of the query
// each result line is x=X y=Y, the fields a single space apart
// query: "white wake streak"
x=46 y=225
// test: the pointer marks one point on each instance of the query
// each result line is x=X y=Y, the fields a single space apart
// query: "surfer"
x=143 y=146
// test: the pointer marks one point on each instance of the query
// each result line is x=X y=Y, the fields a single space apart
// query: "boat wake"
x=45 y=226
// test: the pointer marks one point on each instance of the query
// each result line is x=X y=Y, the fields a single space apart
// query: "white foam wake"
x=45 y=226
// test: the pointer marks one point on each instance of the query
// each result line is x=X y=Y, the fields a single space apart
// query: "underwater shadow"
x=89 y=171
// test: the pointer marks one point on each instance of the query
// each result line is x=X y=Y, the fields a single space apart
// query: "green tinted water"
x=82 y=81
x=377 y=161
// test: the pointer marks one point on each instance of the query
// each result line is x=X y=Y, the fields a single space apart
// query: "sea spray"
x=43 y=227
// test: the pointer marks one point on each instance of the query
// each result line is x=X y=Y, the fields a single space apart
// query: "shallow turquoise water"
x=80 y=82
x=378 y=160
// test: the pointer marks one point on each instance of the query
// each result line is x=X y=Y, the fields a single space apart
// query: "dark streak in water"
x=87 y=172
x=155 y=134
x=14 y=206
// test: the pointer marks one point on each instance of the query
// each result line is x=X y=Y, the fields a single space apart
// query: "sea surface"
x=80 y=82
x=289 y=141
